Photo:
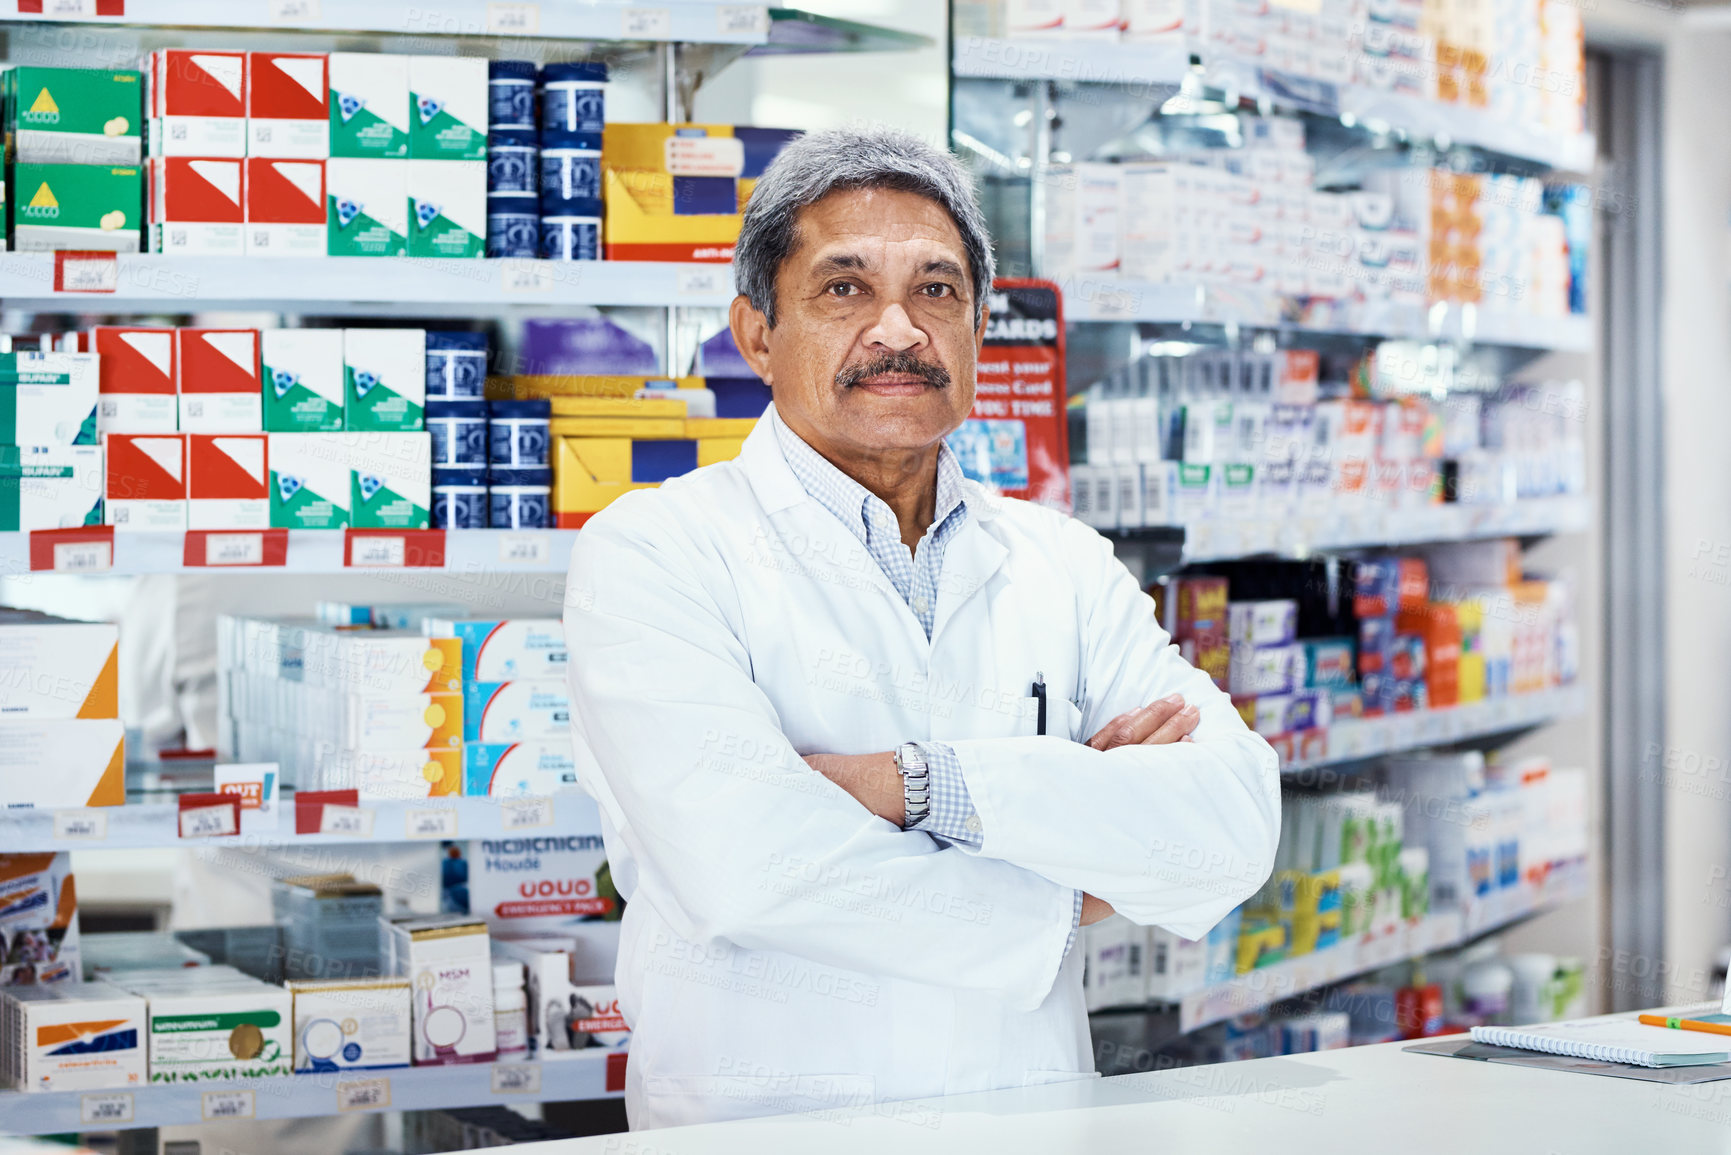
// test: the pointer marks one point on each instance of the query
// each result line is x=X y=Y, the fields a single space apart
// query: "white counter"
x=1364 y=1099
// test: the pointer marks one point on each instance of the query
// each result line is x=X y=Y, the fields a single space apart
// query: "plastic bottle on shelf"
x=510 y=1007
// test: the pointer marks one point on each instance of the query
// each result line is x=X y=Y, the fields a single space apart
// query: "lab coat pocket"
x=675 y=1100
x=1063 y=718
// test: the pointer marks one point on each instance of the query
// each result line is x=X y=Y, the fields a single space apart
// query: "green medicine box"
x=77 y=206
x=88 y=116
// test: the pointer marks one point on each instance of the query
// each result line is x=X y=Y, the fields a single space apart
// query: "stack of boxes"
x=516 y=707
x=212 y=1023
x=74 y=143
x=1194 y=612
x=61 y=740
x=1284 y=687
x=1389 y=593
x=513 y=161
x=39 y=940
x=72 y=1037
x=50 y=463
x=573 y=116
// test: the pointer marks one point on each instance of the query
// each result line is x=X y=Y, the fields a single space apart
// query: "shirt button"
x=919 y=605
x=972 y=825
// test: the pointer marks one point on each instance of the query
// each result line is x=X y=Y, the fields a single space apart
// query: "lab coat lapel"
x=972 y=557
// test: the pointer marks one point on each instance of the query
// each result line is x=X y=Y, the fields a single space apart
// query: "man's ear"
x=751 y=335
x=980 y=330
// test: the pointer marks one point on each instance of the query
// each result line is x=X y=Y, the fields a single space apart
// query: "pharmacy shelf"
x=1124 y=299
x=592 y=1074
x=371 y=285
x=1161 y=67
x=474 y=554
x=1443 y=930
x=678 y=20
x=1355 y=739
x=1222 y=539
x=150 y=824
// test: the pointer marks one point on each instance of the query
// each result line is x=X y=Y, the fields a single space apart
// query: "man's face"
x=874 y=346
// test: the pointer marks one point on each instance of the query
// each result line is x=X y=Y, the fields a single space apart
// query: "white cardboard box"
x=48 y=398
x=448 y=962
x=54 y=763
x=72 y=1036
x=351 y=1024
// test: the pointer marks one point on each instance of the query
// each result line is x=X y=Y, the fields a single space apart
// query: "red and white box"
x=197 y=102
x=227 y=481
x=135 y=379
x=288 y=105
x=197 y=205
x=146 y=481
x=219 y=380
x=285 y=207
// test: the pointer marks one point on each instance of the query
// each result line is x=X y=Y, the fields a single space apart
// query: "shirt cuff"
x=952 y=807
x=1075 y=926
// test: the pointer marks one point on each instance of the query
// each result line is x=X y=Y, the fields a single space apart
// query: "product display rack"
x=595 y=1074
x=1441 y=930
x=1167 y=66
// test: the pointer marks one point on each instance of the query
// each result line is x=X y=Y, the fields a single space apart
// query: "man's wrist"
x=910 y=763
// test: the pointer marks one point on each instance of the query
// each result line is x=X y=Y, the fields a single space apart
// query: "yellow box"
x=713 y=449
x=638 y=165
x=528 y=388
x=588 y=473
x=730 y=428
x=646 y=428
x=615 y=407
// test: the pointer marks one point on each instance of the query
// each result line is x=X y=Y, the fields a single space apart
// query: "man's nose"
x=895 y=330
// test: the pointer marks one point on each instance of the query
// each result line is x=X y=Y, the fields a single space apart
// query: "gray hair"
x=820 y=163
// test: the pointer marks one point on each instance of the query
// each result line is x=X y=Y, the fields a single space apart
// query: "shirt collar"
x=852 y=503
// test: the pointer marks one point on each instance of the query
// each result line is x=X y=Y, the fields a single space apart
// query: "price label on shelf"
x=525 y=549
x=351 y=821
x=701 y=282
x=208 y=822
x=526 y=813
x=378 y=552
x=516 y=1078
x=85 y=825
x=513 y=19
x=440 y=823
x=83 y=556
x=293 y=11
x=525 y=276
x=646 y=24
x=86 y=272
x=112 y=1107
x=227 y=1105
x=234 y=549
x=364 y=1095
x=748 y=21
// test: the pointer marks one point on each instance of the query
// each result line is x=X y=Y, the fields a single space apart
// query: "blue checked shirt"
x=915 y=578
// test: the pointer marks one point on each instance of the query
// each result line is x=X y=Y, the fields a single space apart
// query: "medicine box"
x=447 y=207
x=673 y=192
x=48 y=398
x=77 y=206
x=285 y=208
x=369 y=104
x=75 y=116
x=391 y=480
x=351 y=1024
x=302 y=380
x=287 y=105
x=366 y=207
x=448 y=962
x=368 y=721
x=71 y=1036
x=197 y=205
x=54 y=668
x=518 y=769
x=146 y=481
x=213 y=1027
x=391 y=775
x=528 y=709
x=504 y=651
x=50 y=486
x=197 y=103
x=309 y=480
x=136 y=379
x=38 y=914
x=53 y=763
x=218 y=380
x=1082 y=234
x=546 y=883
x=448 y=108
x=1264 y=669
x=1263 y=623
x=227 y=481
x=385 y=379
x=378 y=661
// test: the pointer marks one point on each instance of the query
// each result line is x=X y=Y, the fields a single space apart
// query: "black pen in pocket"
x=1038 y=692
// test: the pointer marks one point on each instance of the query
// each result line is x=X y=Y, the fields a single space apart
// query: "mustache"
x=904 y=362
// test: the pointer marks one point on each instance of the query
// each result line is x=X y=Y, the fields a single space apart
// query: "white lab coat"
x=783 y=949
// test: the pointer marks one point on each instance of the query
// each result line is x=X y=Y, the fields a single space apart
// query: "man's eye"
x=844 y=289
x=938 y=289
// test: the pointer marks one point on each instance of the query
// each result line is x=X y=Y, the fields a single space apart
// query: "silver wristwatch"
x=916 y=784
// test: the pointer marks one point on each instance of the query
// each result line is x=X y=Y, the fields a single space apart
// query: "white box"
x=391 y=480
x=448 y=108
x=1264 y=623
x=573 y=1005
x=532 y=708
x=1154 y=20
x=400 y=721
x=369 y=104
x=38 y=910
x=519 y=769
x=213 y=1026
x=197 y=103
x=288 y=105
x=504 y=651
x=447 y=207
x=54 y=668
x=197 y=205
x=217 y=378
x=72 y=1036
x=1092 y=19
x=48 y=398
x=351 y=1024
x=1264 y=669
x=539 y=883
x=1132 y=512
x=369 y=207
x=1176 y=966
x=385 y=380
x=1034 y=17
x=302 y=379
x=55 y=763
x=1148 y=222
x=391 y=775
x=227 y=481
x=50 y=486
x=309 y=480
x=145 y=487
x=448 y=961
x=1082 y=215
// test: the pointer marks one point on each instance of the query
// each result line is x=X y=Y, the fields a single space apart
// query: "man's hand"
x=872 y=779
x=1095 y=909
x=1159 y=722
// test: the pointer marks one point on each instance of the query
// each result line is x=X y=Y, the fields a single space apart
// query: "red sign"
x=1017 y=439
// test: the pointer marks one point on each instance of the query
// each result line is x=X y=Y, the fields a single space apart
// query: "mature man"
x=870 y=744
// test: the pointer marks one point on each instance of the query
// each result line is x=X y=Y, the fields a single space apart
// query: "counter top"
x=1374 y=1099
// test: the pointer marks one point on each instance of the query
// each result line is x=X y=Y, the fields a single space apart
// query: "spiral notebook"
x=1613 y=1041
